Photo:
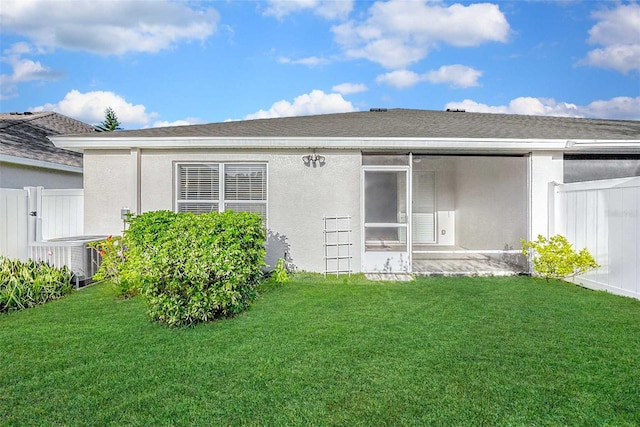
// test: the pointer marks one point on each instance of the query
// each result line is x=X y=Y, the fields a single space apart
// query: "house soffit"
x=365 y=144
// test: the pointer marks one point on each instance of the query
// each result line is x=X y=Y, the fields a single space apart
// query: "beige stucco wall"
x=491 y=202
x=298 y=195
x=545 y=169
x=490 y=195
x=110 y=185
x=444 y=167
x=17 y=176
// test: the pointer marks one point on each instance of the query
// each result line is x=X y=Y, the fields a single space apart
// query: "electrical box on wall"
x=124 y=214
x=446 y=228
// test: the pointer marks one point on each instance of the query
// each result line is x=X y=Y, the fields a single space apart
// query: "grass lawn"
x=463 y=351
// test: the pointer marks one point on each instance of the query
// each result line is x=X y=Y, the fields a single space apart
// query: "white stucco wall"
x=490 y=195
x=444 y=167
x=110 y=185
x=298 y=196
x=545 y=168
x=491 y=202
x=17 y=176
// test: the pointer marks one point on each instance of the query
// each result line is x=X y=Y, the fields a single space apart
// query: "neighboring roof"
x=387 y=129
x=24 y=136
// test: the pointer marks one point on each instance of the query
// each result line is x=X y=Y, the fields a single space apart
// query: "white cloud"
x=315 y=102
x=113 y=27
x=623 y=58
x=619 y=25
x=348 y=88
x=311 y=61
x=20 y=48
x=457 y=76
x=400 y=79
x=522 y=105
x=329 y=9
x=618 y=31
x=183 y=122
x=89 y=107
x=623 y=108
x=399 y=32
x=23 y=70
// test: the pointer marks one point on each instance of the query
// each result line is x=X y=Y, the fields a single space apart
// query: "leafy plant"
x=555 y=258
x=114 y=266
x=123 y=258
x=195 y=268
x=30 y=283
x=281 y=273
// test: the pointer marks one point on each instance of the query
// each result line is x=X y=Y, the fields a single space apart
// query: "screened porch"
x=445 y=214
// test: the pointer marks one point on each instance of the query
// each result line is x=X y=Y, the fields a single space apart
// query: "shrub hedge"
x=193 y=268
x=555 y=257
x=30 y=283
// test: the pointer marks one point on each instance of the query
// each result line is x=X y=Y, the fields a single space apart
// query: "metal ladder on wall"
x=337 y=245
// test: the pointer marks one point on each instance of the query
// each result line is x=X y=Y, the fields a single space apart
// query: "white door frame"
x=386 y=261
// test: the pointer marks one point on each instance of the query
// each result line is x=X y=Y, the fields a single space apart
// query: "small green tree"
x=555 y=258
x=110 y=122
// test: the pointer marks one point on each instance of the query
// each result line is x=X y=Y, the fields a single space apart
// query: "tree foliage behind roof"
x=110 y=122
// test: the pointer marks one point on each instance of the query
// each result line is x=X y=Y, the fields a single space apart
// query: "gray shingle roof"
x=404 y=123
x=25 y=135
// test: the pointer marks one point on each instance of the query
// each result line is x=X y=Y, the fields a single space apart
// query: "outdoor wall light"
x=313 y=160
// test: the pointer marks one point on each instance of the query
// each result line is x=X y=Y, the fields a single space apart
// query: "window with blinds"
x=216 y=187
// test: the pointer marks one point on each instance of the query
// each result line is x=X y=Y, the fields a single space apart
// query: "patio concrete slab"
x=464 y=267
x=390 y=277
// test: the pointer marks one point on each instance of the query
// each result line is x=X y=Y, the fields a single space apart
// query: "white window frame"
x=221 y=201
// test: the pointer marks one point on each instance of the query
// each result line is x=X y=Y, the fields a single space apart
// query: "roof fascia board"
x=456 y=144
x=39 y=164
x=590 y=145
x=631 y=182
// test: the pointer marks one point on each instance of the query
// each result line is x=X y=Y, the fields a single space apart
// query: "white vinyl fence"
x=14 y=215
x=36 y=214
x=603 y=216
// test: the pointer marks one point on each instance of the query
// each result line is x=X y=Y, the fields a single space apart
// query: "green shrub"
x=195 y=268
x=122 y=257
x=113 y=267
x=30 y=283
x=281 y=273
x=555 y=258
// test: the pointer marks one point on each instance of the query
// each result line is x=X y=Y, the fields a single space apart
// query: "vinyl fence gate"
x=35 y=214
x=603 y=216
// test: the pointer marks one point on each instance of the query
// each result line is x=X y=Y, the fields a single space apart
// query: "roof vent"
x=378 y=110
x=455 y=110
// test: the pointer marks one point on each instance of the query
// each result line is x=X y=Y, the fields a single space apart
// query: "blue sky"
x=158 y=62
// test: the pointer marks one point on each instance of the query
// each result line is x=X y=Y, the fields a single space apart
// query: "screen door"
x=386 y=220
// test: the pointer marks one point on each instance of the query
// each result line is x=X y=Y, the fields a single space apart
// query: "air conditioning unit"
x=72 y=252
